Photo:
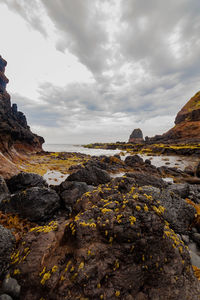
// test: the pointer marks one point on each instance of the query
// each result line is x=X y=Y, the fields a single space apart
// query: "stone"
x=11 y=287
x=142 y=179
x=71 y=191
x=181 y=189
x=90 y=175
x=178 y=213
x=5 y=297
x=136 y=136
x=131 y=160
x=25 y=180
x=7 y=243
x=195 y=259
x=196 y=238
x=36 y=204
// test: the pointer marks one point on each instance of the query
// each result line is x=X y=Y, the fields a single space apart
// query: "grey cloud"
x=149 y=68
x=30 y=10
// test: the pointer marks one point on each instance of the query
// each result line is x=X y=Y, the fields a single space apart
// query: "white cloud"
x=93 y=70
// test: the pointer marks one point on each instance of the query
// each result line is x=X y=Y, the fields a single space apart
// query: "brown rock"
x=136 y=136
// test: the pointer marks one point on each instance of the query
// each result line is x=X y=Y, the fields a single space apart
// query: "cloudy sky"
x=93 y=70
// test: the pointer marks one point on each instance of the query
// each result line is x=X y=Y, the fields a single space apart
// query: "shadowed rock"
x=90 y=175
x=7 y=242
x=25 y=180
x=36 y=204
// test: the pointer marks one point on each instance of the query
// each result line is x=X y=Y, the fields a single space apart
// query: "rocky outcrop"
x=15 y=135
x=136 y=136
x=116 y=245
x=187 y=125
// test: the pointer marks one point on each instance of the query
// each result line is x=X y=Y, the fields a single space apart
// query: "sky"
x=93 y=70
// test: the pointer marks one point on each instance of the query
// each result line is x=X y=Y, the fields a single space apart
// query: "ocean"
x=78 y=148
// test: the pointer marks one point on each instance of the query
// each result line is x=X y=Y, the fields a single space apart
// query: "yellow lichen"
x=132 y=220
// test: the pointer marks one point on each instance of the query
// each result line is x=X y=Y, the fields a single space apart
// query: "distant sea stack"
x=136 y=136
x=187 y=125
x=16 y=137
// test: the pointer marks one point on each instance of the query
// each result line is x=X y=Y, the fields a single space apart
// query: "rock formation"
x=136 y=136
x=16 y=137
x=187 y=125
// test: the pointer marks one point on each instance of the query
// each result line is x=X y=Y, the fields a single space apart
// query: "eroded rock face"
x=187 y=125
x=15 y=135
x=136 y=136
x=116 y=245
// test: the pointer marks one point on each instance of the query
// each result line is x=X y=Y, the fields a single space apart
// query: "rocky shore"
x=98 y=237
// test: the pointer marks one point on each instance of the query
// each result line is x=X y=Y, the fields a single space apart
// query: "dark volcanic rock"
x=36 y=204
x=91 y=175
x=25 y=180
x=132 y=160
x=178 y=212
x=117 y=247
x=181 y=189
x=70 y=191
x=142 y=179
x=7 y=243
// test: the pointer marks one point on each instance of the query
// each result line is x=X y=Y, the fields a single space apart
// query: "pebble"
x=10 y=286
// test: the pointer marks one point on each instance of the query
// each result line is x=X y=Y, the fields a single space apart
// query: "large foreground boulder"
x=36 y=204
x=7 y=242
x=90 y=175
x=118 y=246
x=25 y=180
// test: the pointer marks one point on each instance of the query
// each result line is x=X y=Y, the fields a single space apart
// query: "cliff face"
x=187 y=125
x=16 y=137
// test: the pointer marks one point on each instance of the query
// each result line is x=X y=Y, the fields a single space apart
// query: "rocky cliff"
x=187 y=125
x=16 y=137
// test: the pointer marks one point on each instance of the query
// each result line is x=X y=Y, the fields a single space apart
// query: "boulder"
x=181 y=189
x=178 y=213
x=90 y=175
x=25 y=180
x=146 y=179
x=71 y=191
x=7 y=243
x=131 y=161
x=11 y=287
x=36 y=204
x=5 y=297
